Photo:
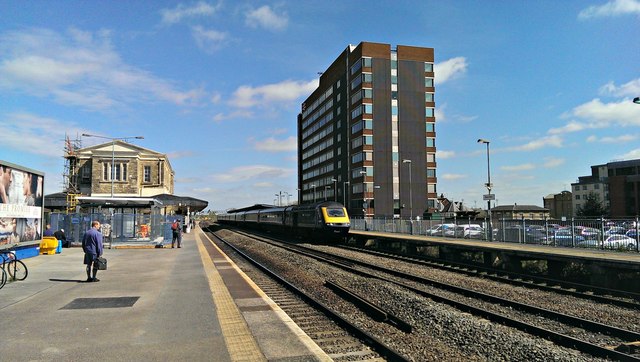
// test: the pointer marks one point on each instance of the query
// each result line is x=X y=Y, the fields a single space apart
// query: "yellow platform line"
x=239 y=340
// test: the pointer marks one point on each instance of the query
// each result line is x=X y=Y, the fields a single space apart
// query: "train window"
x=335 y=212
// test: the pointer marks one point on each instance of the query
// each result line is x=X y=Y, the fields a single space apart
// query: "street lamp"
x=344 y=193
x=488 y=184
x=410 y=192
x=314 y=193
x=636 y=100
x=335 y=189
x=325 y=192
x=113 y=152
x=299 y=196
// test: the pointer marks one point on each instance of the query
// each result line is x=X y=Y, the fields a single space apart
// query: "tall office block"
x=366 y=135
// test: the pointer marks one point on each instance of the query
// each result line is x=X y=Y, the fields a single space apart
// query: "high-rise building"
x=366 y=135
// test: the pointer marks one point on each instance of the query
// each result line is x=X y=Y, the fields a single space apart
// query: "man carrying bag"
x=92 y=247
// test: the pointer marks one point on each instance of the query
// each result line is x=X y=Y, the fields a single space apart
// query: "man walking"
x=92 y=247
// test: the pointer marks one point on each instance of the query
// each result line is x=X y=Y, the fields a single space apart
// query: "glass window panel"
x=428 y=82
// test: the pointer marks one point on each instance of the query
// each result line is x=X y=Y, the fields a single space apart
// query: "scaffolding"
x=71 y=170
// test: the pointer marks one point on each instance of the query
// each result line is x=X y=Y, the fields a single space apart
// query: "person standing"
x=62 y=237
x=92 y=247
x=48 y=231
x=175 y=233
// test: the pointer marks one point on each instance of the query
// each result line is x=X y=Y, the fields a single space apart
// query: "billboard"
x=21 y=205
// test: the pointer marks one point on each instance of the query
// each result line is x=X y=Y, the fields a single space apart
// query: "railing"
x=610 y=234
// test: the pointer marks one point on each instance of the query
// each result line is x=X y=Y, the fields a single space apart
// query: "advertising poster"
x=21 y=205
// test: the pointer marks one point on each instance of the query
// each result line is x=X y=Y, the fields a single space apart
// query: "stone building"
x=122 y=169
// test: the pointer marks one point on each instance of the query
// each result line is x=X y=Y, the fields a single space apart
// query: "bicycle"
x=16 y=269
x=3 y=276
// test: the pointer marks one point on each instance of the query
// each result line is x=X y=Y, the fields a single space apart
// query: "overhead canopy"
x=172 y=203
x=181 y=203
x=126 y=202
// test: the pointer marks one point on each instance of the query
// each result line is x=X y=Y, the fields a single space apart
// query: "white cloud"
x=219 y=117
x=610 y=9
x=80 y=69
x=522 y=167
x=629 y=89
x=552 y=162
x=445 y=154
x=286 y=91
x=631 y=155
x=274 y=145
x=180 y=12
x=544 y=142
x=257 y=172
x=572 y=126
x=452 y=176
x=266 y=18
x=613 y=140
x=34 y=134
x=597 y=114
x=208 y=40
x=450 y=69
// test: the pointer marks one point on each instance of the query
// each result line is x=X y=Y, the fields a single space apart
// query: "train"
x=326 y=220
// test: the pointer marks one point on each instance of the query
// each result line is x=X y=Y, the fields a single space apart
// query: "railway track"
x=603 y=295
x=587 y=336
x=339 y=338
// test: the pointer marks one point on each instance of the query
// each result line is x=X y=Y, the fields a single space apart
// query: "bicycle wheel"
x=3 y=277
x=17 y=270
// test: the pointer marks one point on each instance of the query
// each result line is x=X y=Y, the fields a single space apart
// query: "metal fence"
x=619 y=234
x=116 y=228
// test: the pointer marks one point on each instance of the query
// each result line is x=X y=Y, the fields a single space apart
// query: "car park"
x=564 y=237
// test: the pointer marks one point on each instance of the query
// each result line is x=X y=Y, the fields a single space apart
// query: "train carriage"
x=319 y=220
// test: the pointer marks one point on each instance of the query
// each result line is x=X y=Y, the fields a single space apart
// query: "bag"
x=101 y=263
x=174 y=226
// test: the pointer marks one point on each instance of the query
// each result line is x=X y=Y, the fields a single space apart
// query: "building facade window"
x=147 y=174
x=119 y=171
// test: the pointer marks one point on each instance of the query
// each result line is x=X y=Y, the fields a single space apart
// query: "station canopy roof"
x=180 y=204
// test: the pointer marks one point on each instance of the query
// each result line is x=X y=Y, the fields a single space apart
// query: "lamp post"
x=325 y=192
x=335 y=189
x=364 y=204
x=344 y=193
x=299 y=196
x=410 y=192
x=636 y=100
x=314 y=193
x=489 y=186
x=113 y=152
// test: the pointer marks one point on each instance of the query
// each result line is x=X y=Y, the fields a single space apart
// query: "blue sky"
x=217 y=86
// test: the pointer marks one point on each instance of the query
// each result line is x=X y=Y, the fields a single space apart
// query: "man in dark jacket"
x=62 y=237
x=92 y=247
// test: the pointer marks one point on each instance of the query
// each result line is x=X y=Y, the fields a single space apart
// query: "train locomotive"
x=323 y=220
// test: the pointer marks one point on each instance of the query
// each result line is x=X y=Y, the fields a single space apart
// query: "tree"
x=592 y=207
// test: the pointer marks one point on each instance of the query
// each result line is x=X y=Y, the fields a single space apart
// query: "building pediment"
x=118 y=147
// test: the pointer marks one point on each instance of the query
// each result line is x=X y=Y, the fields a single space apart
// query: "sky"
x=217 y=86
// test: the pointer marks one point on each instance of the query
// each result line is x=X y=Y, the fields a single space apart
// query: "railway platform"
x=152 y=304
x=602 y=268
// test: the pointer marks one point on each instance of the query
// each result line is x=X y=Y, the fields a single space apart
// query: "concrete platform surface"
x=164 y=304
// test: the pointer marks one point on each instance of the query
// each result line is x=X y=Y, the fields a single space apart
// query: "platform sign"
x=489 y=197
x=21 y=204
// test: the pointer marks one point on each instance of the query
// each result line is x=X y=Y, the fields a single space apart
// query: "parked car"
x=615 y=230
x=515 y=234
x=466 y=231
x=619 y=242
x=564 y=237
x=440 y=229
x=587 y=232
